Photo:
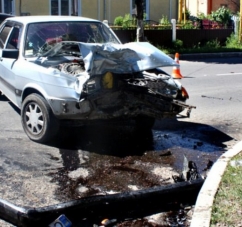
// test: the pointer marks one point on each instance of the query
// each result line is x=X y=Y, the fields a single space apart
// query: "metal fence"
x=190 y=37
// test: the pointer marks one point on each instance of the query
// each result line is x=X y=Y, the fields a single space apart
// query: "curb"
x=211 y=55
x=203 y=207
x=207 y=55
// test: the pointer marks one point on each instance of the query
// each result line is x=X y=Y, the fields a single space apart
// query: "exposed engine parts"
x=72 y=68
x=156 y=84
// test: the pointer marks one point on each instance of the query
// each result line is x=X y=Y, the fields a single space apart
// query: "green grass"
x=227 y=206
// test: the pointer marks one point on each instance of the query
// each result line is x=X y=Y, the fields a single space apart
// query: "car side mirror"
x=10 y=53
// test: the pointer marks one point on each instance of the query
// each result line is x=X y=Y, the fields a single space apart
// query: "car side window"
x=4 y=35
x=13 y=39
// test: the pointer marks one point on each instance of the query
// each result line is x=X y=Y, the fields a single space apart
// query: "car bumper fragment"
x=185 y=106
x=118 y=104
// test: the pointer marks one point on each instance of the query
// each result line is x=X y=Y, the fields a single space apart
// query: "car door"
x=9 y=40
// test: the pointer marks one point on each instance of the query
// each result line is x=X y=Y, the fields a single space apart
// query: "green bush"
x=127 y=21
x=202 y=16
x=222 y=15
x=164 y=20
x=118 y=21
x=188 y=25
x=177 y=44
x=233 y=41
x=212 y=44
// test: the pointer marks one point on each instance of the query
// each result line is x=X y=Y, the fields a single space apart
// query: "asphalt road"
x=87 y=161
x=214 y=86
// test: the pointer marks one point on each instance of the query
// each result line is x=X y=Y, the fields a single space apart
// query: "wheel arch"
x=28 y=91
x=31 y=89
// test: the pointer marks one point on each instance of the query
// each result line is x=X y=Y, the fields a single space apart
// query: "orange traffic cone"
x=176 y=74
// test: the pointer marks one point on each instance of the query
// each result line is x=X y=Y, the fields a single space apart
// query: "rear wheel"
x=37 y=119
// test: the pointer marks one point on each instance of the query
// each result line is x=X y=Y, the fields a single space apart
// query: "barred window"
x=60 y=7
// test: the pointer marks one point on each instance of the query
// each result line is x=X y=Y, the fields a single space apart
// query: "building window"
x=54 y=7
x=65 y=7
x=60 y=7
x=6 y=6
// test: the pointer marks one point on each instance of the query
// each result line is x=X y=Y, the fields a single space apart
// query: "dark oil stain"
x=119 y=156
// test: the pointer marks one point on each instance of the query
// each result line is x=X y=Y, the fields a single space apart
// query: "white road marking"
x=228 y=74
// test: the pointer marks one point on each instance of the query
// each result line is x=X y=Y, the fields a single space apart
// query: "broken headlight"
x=91 y=86
x=184 y=93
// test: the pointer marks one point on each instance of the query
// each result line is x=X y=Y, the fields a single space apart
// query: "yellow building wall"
x=113 y=8
x=118 y=8
x=197 y=7
x=95 y=8
x=34 y=7
x=163 y=8
x=193 y=7
x=90 y=8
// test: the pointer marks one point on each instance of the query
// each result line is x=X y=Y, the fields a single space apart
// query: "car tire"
x=37 y=119
x=144 y=122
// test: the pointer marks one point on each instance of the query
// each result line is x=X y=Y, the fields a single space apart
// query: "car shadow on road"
x=3 y=98
x=120 y=140
x=193 y=131
x=104 y=139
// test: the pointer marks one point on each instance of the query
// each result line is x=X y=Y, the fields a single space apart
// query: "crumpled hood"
x=123 y=58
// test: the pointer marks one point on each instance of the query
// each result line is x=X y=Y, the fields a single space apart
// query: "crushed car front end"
x=116 y=81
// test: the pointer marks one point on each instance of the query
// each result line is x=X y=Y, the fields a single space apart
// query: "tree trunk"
x=140 y=20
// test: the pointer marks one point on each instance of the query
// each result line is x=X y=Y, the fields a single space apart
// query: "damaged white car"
x=73 y=69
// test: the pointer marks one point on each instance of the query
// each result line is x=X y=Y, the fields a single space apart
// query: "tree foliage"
x=222 y=15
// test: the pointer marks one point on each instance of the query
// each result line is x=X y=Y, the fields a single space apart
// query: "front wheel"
x=37 y=119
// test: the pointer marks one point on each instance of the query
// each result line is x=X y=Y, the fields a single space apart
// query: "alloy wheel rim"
x=34 y=118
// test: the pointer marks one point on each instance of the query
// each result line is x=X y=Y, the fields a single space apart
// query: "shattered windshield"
x=41 y=37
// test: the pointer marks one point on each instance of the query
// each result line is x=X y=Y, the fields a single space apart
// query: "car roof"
x=36 y=19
